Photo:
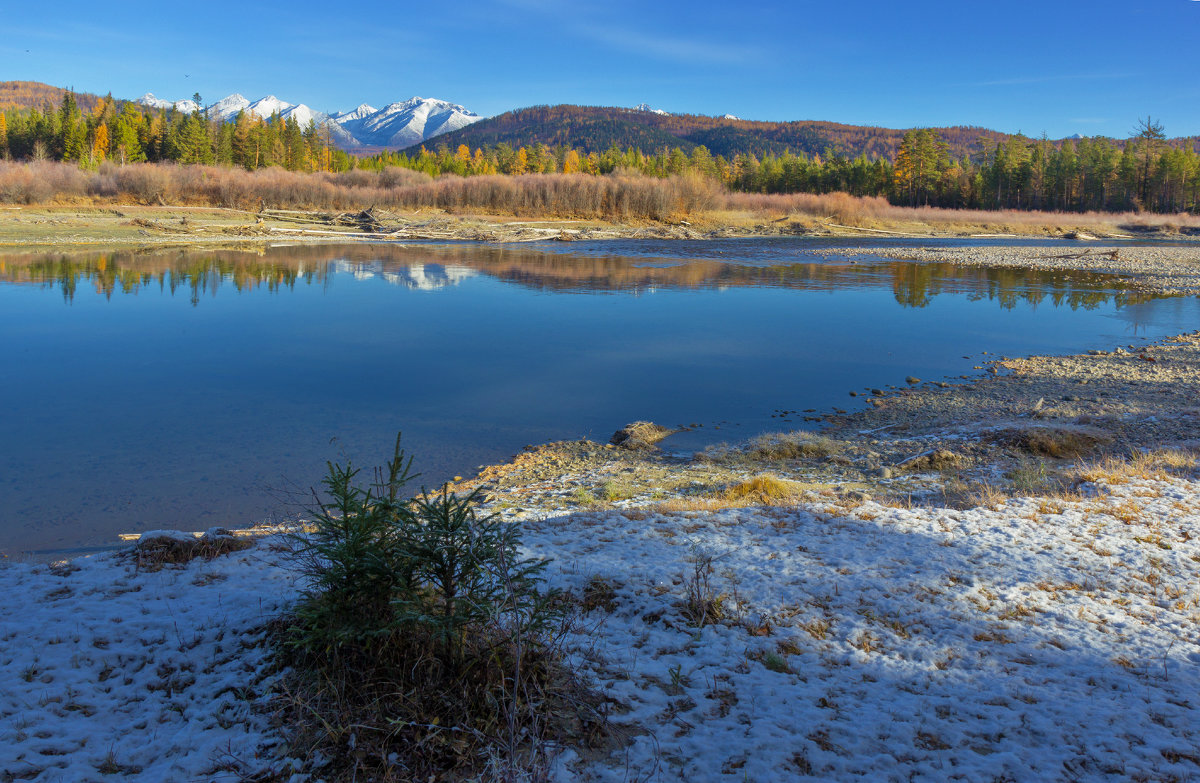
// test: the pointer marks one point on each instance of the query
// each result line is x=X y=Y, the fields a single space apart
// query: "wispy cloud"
x=673 y=49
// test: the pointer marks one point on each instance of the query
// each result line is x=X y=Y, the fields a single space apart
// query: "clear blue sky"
x=1058 y=66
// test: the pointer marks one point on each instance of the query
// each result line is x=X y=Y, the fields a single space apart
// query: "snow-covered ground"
x=1042 y=640
x=153 y=675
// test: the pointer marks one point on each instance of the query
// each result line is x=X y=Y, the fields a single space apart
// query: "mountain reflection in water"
x=432 y=267
x=188 y=389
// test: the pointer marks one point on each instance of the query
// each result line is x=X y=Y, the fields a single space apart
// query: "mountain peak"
x=399 y=124
x=650 y=109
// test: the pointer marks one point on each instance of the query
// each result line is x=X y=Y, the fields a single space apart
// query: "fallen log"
x=1109 y=253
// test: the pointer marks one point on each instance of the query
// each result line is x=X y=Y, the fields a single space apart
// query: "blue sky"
x=1058 y=66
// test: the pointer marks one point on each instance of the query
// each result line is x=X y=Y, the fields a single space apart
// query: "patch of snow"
x=730 y=117
x=648 y=108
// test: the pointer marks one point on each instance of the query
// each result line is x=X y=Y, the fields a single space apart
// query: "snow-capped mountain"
x=228 y=107
x=397 y=125
x=406 y=123
x=648 y=108
x=186 y=106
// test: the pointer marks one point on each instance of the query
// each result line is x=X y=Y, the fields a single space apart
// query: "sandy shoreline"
x=124 y=225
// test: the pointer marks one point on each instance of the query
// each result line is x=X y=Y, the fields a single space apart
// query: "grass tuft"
x=765 y=489
x=152 y=552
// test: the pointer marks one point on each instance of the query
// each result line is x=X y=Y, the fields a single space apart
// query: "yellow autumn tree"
x=100 y=142
x=571 y=162
x=463 y=154
x=479 y=164
x=3 y=136
x=522 y=163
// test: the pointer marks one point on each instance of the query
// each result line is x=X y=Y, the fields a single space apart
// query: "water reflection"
x=433 y=267
x=184 y=389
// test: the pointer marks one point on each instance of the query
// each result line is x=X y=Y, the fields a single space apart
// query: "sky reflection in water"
x=194 y=389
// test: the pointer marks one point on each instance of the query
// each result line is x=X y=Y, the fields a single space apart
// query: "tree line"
x=1074 y=175
x=127 y=132
x=1145 y=172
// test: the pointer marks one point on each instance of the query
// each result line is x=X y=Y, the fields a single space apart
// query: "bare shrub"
x=41 y=182
x=103 y=183
x=147 y=183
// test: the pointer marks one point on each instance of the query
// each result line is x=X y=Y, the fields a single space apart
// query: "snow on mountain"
x=265 y=107
x=730 y=117
x=186 y=106
x=360 y=112
x=228 y=107
x=400 y=124
x=405 y=123
x=648 y=108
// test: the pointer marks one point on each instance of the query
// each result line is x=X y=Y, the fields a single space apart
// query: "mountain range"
x=597 y=128
x=362 y=129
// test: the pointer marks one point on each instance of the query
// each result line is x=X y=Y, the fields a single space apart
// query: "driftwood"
x=365 y=221
x=1088 y=253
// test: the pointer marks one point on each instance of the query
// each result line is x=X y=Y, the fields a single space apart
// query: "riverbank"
x=123 y=225
x=996 y=578
x=993 y=578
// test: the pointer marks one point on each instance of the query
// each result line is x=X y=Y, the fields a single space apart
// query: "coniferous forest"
x=1147 y=172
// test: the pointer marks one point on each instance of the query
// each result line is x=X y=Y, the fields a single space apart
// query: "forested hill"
x=36 y=95
x=598 y=128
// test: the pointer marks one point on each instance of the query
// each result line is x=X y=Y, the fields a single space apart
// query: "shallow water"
x=174 y=389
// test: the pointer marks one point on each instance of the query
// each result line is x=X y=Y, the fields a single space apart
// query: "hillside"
x=29 y=95
x=597 y=128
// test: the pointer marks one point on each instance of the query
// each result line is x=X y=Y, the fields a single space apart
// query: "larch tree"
x=571 y=162
x=100 y=143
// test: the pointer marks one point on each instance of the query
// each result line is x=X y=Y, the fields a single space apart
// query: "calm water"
x=193 y=389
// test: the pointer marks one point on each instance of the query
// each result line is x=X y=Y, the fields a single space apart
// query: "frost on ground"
x=154 y=676
x=1046 y=639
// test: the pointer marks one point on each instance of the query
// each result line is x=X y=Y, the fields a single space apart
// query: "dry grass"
x=393 y=711
x=1055 y=442
x=773 y=447
x=152 y=554
x=792 y=445
x=766 y=489
x=867 y=211
x=1156 y=464
x=599 y=593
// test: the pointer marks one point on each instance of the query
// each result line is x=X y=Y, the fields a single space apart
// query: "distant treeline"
x=128 y=132
x=1085 y=175
x=1145 y=172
